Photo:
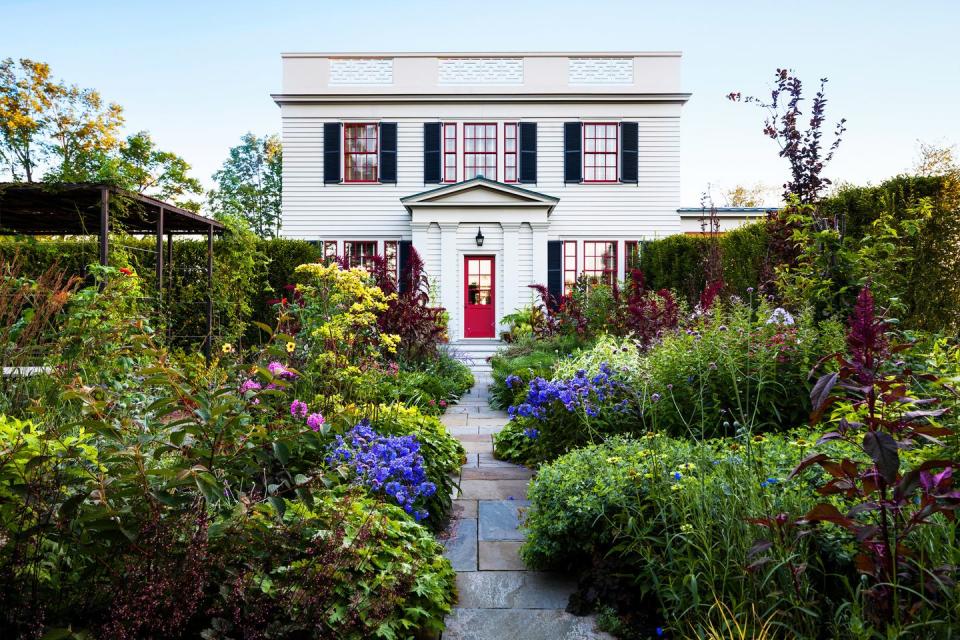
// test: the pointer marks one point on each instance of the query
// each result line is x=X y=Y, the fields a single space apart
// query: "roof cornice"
x=437 y=98
x=482 y=54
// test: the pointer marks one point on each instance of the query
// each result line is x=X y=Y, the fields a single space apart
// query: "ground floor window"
x=359 y=252
x=329 y=249
x=600 y=261
x=569 y=266
x=631 y=252
x=390 y=253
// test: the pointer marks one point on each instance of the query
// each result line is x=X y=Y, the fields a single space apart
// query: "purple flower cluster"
x=579 y=392
x=278 y=370
x=391 y=464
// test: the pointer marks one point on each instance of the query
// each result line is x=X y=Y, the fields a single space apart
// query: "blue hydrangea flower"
x=388 y=464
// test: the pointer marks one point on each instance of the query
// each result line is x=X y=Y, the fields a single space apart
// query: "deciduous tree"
x=249 y=184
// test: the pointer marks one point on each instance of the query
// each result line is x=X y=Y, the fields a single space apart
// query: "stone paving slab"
x=499 y=555
x=496 y=473
x=478 y=447
x=472 y=462
x=514 y=590
x=486 y=459
x=523 y=624
x=475 y=437
x=461 y=547
x=493 y=489
x=464 y=509
x=453 y=419
x=500 y=519
x=468 y=429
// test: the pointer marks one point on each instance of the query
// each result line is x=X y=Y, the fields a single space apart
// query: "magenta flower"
x=298 y=409
x=315 y=421
x=250 y=385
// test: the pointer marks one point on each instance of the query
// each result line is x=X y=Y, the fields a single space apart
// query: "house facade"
x=501 y=170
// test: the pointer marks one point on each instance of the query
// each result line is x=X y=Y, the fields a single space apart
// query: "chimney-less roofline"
x=483 y=54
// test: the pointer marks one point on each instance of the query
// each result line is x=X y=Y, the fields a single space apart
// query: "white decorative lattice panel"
x=361 y=71
x=481 y=71
x=601 y=70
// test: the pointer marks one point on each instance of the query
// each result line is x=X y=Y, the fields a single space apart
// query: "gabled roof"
x=480 y=192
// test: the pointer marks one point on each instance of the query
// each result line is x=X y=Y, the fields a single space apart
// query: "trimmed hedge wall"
x=248 y=274
x=677 y=262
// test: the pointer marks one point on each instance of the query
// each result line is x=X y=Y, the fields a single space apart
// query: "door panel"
x=479 y=302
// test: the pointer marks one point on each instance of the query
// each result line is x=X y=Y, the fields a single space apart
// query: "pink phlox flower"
x=298 y=409
x=315 y=421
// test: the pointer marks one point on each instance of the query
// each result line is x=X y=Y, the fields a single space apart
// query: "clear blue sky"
x=198 y=74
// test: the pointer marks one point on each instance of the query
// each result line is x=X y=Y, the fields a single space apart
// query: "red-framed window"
x=390 y=255
x=450 y=152
x=480 y=150
x=361 y=152
x=329 y=249
x=510 y=152
x=600 y=151
x=600 y=261
x=631 y=254
x=569 y=265
x=359 y=252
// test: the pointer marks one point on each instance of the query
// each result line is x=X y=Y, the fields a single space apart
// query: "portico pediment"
x=481 y=193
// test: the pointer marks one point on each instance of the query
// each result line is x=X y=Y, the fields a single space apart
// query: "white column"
x=448 y=278
x=511 y=267
x=540 y=252
x=421 y=244
x=621 y=259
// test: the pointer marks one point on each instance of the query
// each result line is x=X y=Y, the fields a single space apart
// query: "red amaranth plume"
x=865 y=337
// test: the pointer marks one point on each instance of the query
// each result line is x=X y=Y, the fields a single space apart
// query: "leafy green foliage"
x=664 y=528
x=249 y=184
x=148 y=495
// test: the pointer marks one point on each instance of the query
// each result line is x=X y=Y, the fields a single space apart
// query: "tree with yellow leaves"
x=26 y=97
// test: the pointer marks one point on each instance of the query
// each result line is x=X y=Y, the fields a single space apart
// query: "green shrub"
x=734 y=370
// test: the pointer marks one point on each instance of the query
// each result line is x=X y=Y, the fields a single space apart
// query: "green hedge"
x=677 y=262
x=248 y=274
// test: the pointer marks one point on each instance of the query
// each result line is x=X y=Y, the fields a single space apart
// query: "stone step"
x=520 y=624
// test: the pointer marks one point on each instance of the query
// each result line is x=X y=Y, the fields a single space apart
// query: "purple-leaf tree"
x=802 y=147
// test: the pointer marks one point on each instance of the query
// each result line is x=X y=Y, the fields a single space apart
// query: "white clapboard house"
x=502 y=169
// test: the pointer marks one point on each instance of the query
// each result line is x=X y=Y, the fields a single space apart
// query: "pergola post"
x=104 y=225
x=209 y=341
x=160 y=257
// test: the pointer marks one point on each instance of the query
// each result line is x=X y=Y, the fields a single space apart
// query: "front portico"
x=483 y=243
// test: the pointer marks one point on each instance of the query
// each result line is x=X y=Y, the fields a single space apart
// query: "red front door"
x=479 y=300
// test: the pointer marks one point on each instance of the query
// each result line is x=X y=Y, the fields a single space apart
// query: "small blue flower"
x=677 y=475
x=659 y=631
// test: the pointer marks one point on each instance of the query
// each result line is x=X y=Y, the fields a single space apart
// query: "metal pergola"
x=40 y=209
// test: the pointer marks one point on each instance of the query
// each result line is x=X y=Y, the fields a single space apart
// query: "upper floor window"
x=599 y=152
x=600 y=261
x=361 y=152
x=450 y=152
x=359 y=252
x=480 y=151
x=510 y=152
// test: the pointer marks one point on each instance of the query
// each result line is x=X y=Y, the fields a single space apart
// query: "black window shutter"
x=331 y=152
x=431 y=152
x=404 y=264
x=629 y=136
x=528 y=152
x=572 y=145
x=388 y=152
x=555 y=269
